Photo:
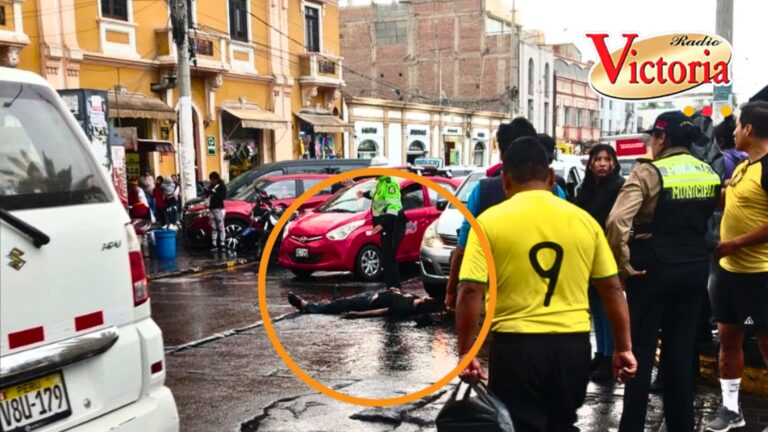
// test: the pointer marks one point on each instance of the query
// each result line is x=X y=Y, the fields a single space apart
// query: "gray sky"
x=566 y=21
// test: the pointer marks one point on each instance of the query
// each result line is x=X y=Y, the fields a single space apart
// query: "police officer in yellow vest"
x=657 y=232
x=389 y=220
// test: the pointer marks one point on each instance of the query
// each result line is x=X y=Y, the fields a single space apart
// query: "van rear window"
x=42 y=161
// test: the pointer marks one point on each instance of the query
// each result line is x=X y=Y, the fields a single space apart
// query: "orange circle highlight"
x=726 y=111
x=322 y=388
x=689 y=110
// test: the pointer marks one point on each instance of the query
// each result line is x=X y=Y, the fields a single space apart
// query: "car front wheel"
x=368 y=263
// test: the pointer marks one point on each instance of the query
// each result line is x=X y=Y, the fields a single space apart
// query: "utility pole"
x=185 y=130
x=724 y=28
x=514 y=79
x=440 y=73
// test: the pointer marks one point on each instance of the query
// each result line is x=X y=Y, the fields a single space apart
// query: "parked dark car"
x=301 y=166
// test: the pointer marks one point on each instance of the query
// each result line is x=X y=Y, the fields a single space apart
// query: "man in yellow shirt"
x=540 y=356
x=739 y=286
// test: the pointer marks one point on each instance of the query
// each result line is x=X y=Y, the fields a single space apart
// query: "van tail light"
x=138 y=274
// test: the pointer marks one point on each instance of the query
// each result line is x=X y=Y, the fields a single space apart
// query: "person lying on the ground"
x=391 y=302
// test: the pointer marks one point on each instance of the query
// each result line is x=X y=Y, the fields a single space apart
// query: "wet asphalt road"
x=226 y=376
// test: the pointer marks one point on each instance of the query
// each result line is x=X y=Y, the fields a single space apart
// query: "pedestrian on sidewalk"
x=657 y=230
x=160 y=208
x=391 y=302
x=147 y=184
x=216 y=193
x=138 y=207
x=597 y=195
x=171 y=197
x=389 y=220
x=486 y=194
x=540 y=354
x=738 y=288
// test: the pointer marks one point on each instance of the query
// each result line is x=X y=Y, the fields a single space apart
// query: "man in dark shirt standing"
x=217 y=192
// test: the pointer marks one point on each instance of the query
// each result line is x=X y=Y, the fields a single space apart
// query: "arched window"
x=367 y=149
x=416 y=149
x=479 y=159
x=546 y=80
x=530 y=76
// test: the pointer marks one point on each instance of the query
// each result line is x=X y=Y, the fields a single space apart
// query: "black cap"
x=671 y=123
x=762 y=95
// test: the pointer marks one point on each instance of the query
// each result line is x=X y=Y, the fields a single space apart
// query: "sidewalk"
x=189 y=261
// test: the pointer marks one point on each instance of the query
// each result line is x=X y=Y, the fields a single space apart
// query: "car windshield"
x=239 y=183
x=346 y=200
x=285 y=189
x=44 y=166
x=469 y=184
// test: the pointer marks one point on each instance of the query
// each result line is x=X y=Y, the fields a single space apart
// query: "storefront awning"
x=324 y=122
x=254 y=117
x=146 y=146
x=137 y=105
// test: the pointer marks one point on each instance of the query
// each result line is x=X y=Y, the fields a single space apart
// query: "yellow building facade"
x=266 y=76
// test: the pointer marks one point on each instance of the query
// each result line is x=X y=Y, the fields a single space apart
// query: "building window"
x=567 y=116
x=530 y=77
x=610 y=127
x=312 y=28
x=367 y=149
x=416 y=149
x=602 y=103
x=238 y=20
x=546 y=117
x=117 y=9
x=546 y=80
x=602 y=125
x=392 y=32
x=2 y=15
x=479 y=156
x=575 y=117
x=530 y=110
x=494 y=26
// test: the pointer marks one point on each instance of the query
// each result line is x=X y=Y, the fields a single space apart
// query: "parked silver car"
x=441 y=237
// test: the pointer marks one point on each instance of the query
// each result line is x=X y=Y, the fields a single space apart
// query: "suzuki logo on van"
x=16 y=261
x=110 y=245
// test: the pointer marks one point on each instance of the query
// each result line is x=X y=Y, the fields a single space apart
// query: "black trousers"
x=669 y=297
x=356 y=303
x=391 y=236
x=541 y=378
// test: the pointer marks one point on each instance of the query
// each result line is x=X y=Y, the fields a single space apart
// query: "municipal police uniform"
x=659 y=225
x=387 y=210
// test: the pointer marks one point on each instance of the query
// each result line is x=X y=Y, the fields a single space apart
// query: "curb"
x=194 y=270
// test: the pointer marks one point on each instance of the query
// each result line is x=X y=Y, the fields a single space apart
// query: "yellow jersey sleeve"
x=474 y=266
x=603 y=264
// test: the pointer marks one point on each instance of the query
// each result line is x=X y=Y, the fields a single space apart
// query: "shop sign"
x=452 y=131
x=211 y=146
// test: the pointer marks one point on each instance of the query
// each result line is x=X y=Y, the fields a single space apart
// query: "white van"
x=78 y=349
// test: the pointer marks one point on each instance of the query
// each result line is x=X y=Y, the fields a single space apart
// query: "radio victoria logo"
x=659 y=66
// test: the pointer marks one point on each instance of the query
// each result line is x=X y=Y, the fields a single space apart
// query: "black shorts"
x=541 y=378
x=739 y=298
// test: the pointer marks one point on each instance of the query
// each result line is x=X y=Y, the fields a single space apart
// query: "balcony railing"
x=212 y=51
x=321 y=68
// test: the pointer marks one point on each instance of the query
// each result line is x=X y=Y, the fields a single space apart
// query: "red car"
x=336 y=236
x=197 y=225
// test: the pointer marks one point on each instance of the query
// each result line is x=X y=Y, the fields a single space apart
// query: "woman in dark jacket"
x=596 y=195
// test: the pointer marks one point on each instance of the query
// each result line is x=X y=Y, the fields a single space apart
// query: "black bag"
x=481 y=413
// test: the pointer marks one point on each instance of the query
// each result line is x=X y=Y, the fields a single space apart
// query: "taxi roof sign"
x=429 y=162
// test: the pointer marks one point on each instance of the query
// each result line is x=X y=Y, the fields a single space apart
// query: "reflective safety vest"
x=386 y=197
x=690 y=192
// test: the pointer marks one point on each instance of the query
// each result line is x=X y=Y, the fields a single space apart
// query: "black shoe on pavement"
x=725 y=421
x=296 y=301
x=595 y=363
x=604 y=372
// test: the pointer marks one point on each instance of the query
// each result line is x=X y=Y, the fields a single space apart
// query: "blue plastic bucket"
x=165 y=240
